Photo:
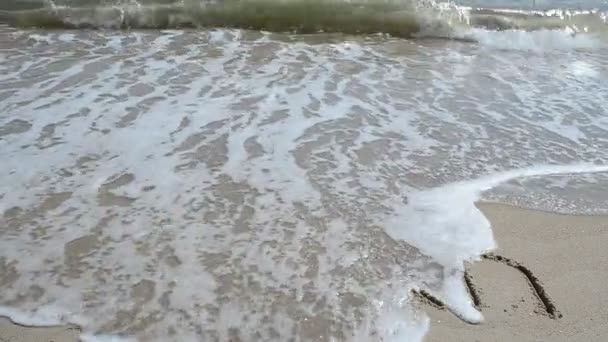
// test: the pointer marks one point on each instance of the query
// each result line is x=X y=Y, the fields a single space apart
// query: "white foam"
x=86 y=337
x=534 y=41
x=583 y=69
x=44 y=317
x=310 y=201
x=396 y=321
x=445 y=223
x=48 y=316
x=447 y=226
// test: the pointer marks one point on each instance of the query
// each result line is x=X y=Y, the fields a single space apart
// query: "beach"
x=270 y=170
x=565 y=252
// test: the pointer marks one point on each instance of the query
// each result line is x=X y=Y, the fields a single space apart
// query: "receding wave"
x=401 y=19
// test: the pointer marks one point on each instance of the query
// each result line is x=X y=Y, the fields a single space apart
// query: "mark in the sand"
x=429 y=299
x=535 y=284
x=473 y=292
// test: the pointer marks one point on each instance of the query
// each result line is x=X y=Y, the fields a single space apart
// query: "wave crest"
x=396 y=18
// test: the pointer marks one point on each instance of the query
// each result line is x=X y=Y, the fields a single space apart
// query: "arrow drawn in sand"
x=535 y=285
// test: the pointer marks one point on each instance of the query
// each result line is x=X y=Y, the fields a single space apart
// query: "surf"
x=395 y=18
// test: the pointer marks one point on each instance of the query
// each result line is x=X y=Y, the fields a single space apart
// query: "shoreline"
x=488 y=203
x=15 y=332
x=562 y=251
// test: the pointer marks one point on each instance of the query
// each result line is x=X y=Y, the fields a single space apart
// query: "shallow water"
x=207 y=184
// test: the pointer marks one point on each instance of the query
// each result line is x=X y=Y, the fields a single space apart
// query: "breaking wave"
x=396 y=18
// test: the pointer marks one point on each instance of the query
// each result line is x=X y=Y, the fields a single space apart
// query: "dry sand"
x=569 y=257
x=567 y=254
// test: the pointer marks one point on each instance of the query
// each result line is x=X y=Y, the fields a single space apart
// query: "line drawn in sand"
x=535 y=285
x=533 y=281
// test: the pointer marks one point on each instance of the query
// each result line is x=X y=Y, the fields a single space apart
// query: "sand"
x=566 y=254
x=10 y=332
x=569 y=257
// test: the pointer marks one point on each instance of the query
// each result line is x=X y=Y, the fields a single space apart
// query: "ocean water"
x=270 y=170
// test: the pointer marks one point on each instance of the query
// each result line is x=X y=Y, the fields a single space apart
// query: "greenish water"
x=397 y=18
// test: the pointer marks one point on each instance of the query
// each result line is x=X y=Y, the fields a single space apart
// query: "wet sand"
x=11 y=332
x=566 y=254
x=565 y=258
